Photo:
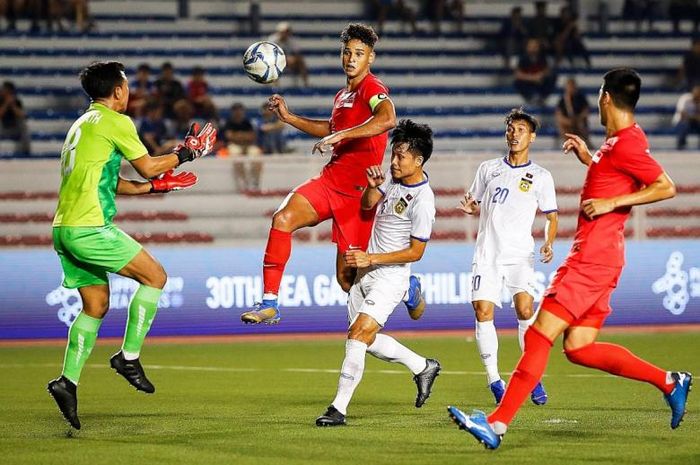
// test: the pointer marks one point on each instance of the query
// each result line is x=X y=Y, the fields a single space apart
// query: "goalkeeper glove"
x=169 y=181
x=198 y=142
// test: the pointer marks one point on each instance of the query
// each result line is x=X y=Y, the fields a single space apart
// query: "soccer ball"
x=264 y=62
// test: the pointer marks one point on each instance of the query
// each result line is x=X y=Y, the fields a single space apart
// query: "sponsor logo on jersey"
x=346 y=100
x=495 y=173
x=400 y=206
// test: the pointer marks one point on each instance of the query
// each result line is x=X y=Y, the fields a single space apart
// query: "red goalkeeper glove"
x=198 y=142
x=169 y=181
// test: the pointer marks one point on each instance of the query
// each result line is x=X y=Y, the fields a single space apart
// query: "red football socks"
x=277 y=252
x=619 y=361
x=526 y=375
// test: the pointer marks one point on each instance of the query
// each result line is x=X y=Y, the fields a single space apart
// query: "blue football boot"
x=498 y=388
x=415 y=304
x=477 y=425
x=265 y=312
x=539 y=395
x=678 y=398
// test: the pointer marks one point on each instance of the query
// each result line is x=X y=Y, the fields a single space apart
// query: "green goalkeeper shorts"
x=88 y=253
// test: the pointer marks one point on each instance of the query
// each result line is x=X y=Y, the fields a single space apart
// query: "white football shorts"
x=377 y=293
x=488 y=281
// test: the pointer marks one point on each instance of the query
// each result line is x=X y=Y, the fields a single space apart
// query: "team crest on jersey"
x=400 y=206
x=525 y=183
x=346 y=100
x=604 y=149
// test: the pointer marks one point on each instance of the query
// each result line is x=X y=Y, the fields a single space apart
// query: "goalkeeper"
x=88 y=243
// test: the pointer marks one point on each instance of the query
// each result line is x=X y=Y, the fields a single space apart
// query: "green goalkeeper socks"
x=81 y=339
x=142 y=310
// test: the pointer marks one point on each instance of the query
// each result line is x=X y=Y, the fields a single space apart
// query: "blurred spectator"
x=168 y=89
x=140 y=91
x=14 y=120
x=572 y=112
x=568 y=41
x=679 y=10
x=540 y=26
x=689 y=72
x=79 y=10
x=687 y=117
x=9 y=9
x=153 y=130
x=534 y=77
x=512 y=36
x=437 y=10
x=640 y=10
x=198 y=94
x=295 y=60
x=271 y=136
x=394 y=9
x=240 y=137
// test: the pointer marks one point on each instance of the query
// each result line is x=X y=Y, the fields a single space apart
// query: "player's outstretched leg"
x=350 y=376
x=425 y=379
x=678 y=398
x=424 y=370
x=415 y=304
x=477 y=425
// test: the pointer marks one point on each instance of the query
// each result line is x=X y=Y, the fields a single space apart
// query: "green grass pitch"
x=255 y=402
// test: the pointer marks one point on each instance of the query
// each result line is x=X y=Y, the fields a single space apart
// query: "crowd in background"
x=533 y=50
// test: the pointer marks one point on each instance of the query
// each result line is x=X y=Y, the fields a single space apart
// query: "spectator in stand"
x=183 y=115
x=394 y=8
x=271 y=135
x=512 y=36
x=568 y=41
x=679 y=10
x=689 y=72
x=240 y=137
x=640 y=10
x=687 y=117
x=198 y=95
x=168 y=89
x=140 y=91
x=534 y=77
x=541 y=27
x=283 y=36
x=153 y=131
x=9 y=9
x=437 y=10
x=14 y=120
x=572 y=112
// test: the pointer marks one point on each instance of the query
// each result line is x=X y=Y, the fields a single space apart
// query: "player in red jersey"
x=356 y=134
x=621 y=174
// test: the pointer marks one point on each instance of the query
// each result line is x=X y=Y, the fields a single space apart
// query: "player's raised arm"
x=313 y=127
x=574 y=143
x=383 y=119
x=198 y=143
x=373 y=193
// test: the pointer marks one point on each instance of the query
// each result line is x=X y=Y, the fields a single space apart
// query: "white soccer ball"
x=264 y=62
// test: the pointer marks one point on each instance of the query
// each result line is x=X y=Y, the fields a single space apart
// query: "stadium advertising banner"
x=209 y=287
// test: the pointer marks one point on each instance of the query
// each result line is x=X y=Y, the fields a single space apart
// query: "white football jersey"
x=509 y=197
x=405 y=212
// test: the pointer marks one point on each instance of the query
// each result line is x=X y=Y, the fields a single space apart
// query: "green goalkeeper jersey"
x=90 y=162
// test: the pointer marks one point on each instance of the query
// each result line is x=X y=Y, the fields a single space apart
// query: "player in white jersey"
x=402 y=226
x=506 y=193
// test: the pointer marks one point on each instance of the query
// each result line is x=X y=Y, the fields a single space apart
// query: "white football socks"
x=350 y=373
x=390 y=350
x=487 y=343
x=522 y=327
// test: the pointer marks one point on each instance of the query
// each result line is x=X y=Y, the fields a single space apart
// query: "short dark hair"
x=10 y=86
x=197 y=70
x=419 y=137
x=166 y=65
x=144 y=67
x=518 y=114
x=624 y=86
x=100 y=78
x=361 y=32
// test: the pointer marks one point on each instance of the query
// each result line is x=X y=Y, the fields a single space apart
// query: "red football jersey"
x=351 y=157
x=622 y=165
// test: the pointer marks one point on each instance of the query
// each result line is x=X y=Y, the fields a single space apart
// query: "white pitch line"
x=289 y=370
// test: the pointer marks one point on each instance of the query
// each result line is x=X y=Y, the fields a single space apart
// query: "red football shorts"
x=352 y=226
x=580 y=293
